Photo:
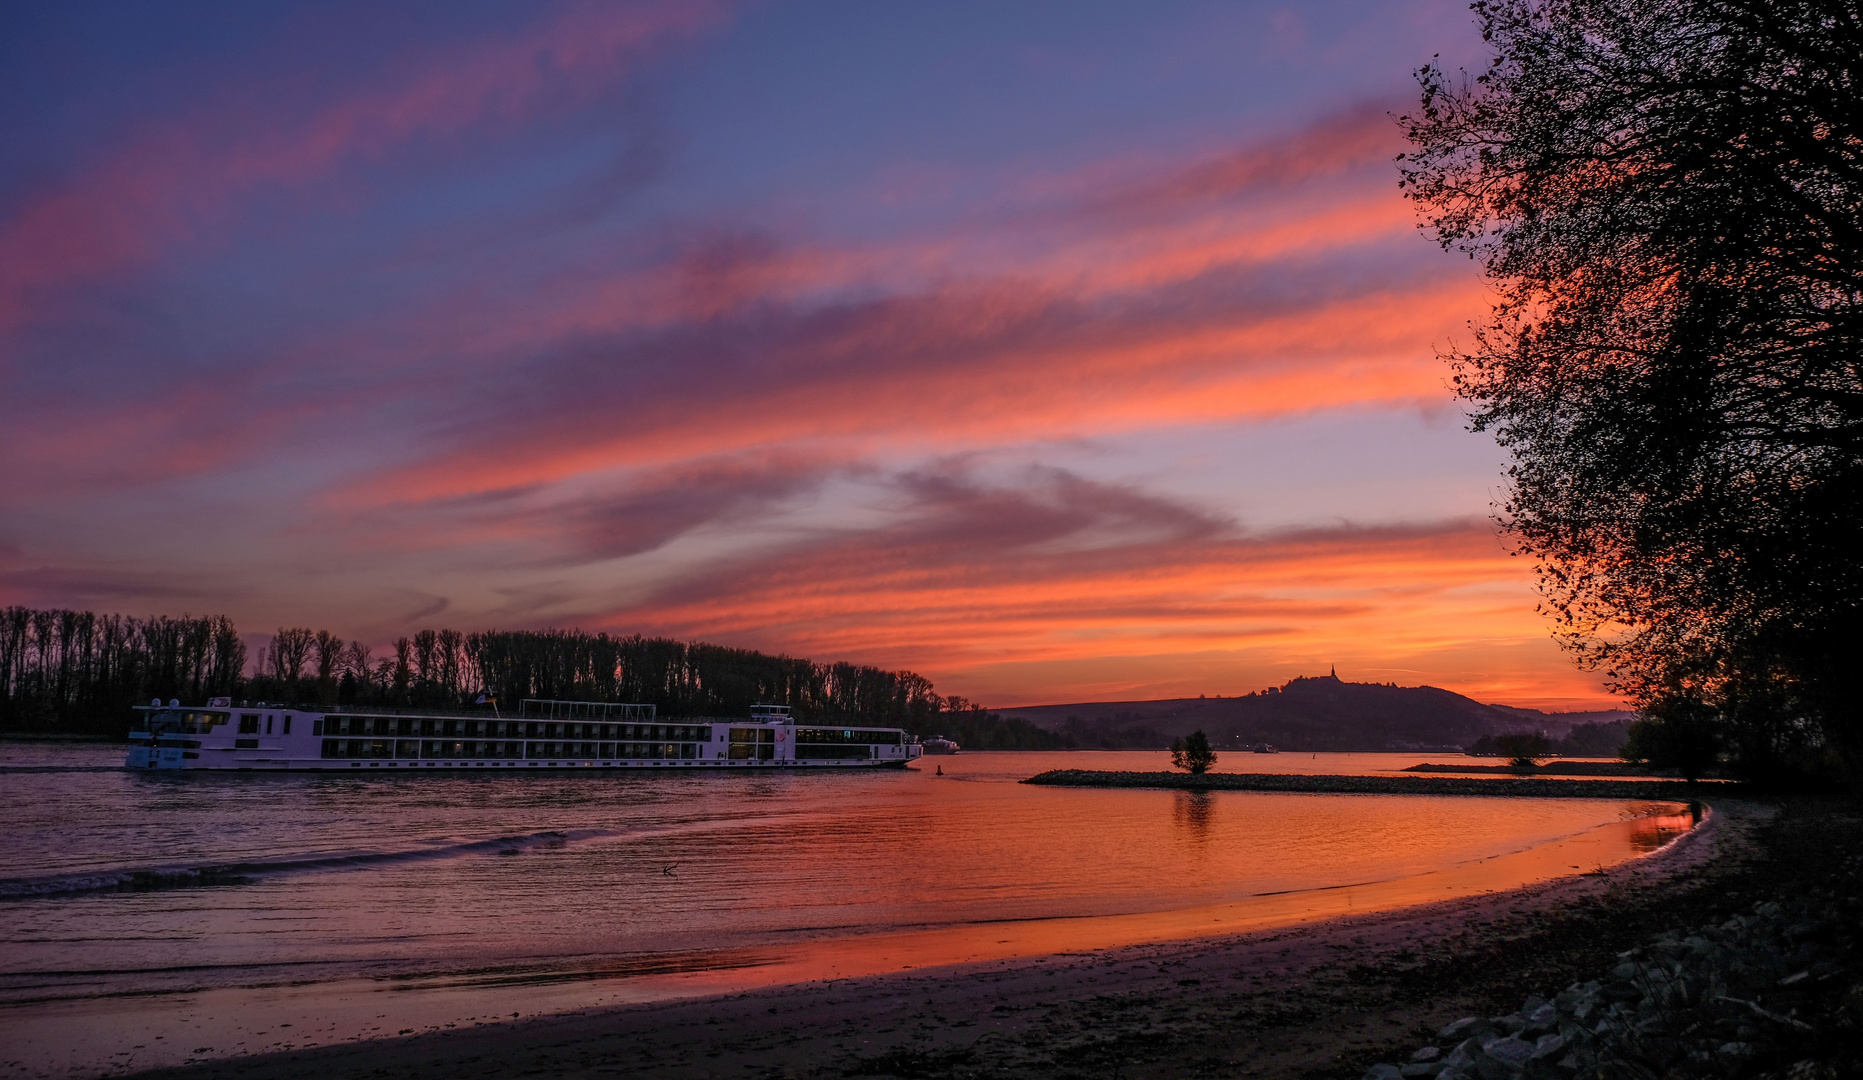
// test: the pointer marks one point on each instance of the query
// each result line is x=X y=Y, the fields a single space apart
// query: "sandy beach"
x=1318 y=999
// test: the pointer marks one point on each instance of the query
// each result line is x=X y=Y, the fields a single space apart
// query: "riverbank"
x=1517 y=787
x=1321 y=1000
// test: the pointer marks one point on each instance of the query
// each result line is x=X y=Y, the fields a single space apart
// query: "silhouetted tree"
x=329 y=650
x=1523 y=749
x=1193 y=753
x=76 y=671
x=1677 y=731
x=1668 y=197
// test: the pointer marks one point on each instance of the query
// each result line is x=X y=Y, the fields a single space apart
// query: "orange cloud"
x=1032 y=622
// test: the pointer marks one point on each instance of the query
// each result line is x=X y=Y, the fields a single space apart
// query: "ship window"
x=183 y=722
x=287 y=730
x=846 y=736
x=268 y=724
x=832 y=750
x=249 y=723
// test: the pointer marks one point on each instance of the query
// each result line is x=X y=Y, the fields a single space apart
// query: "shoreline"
x=1320 y=998
x=1529 y=787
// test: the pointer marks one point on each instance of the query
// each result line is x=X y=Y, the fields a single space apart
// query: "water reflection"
x=644 y=886
x=1193 y=812
x=1657 y=827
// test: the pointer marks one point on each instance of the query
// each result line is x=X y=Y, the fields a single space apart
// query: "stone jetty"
x=1519 y=787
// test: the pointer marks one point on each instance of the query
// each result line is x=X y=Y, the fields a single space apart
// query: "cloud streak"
x=526 y=324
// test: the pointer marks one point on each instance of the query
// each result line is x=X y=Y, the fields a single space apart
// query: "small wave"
x=147 y=879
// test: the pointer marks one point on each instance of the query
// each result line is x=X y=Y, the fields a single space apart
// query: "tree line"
x=77 y=671
x=74 y=671
x=1667 y=198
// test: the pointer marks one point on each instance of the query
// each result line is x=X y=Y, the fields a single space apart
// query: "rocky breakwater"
x=1330 y=784
x=1772 y=992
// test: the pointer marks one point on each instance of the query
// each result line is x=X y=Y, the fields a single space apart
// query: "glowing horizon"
x=1056 y=354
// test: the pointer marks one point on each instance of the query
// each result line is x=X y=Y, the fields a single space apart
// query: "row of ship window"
x=429 y=727
x=406 y=727
x=604 y=751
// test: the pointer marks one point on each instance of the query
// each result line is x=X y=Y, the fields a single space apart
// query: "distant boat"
x=938 y=744
x=1265 y=748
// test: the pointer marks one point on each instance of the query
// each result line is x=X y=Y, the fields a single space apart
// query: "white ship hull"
x=223 y=737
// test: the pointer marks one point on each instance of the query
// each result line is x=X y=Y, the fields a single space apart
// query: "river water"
x=151 y=919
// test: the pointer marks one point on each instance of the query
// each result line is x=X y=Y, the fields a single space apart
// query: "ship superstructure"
x=546 y=734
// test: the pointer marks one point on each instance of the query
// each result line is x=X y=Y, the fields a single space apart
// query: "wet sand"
x=1316 y=999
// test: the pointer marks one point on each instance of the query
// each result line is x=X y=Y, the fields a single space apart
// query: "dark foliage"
x=68 y=670
x=1668 y=198
x=1605 y=738
x=78 y=672
x=1192 y=753
x=1601 y=739
x=1679 y=732
x=1523 y=750
x=1120 y=730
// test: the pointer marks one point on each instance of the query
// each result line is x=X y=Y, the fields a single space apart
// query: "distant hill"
x=1322 y=713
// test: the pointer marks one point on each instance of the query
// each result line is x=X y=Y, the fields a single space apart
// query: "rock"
x=1621 y=990
x=1512 y=1053
x=1382 y=1071
x=1461 y=1059
x=1680 y=1002
x=1542 y=1020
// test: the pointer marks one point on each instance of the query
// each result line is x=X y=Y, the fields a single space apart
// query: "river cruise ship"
x=544 y=735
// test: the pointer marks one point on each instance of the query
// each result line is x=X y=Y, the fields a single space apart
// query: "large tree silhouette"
x=1668 y=198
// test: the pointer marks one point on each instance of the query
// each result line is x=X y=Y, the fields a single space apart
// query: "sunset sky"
x=1056 y=351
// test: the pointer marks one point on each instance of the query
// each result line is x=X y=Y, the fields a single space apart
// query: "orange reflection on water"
x=691 y=884
x=1194 y=813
